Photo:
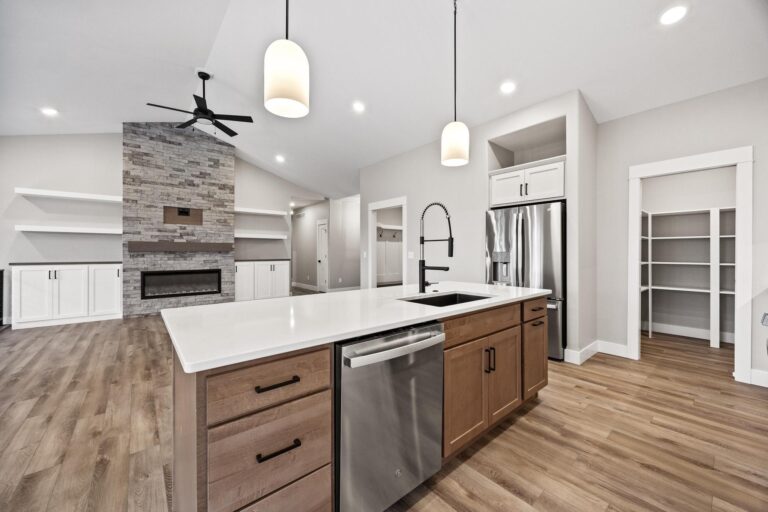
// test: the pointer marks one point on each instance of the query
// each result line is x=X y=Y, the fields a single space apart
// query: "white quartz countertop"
x=211 y=336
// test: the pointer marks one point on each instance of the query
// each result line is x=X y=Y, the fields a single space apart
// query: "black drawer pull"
x=537 y=308
x=536 y=324
x=293 y=380
x=264 y=458
x=488 y=367
x=493 y=358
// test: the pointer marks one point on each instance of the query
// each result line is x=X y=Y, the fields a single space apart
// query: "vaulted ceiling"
x=99 y=61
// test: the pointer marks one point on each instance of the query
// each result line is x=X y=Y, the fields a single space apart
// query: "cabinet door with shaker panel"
x=527 y=184
x=245 y=280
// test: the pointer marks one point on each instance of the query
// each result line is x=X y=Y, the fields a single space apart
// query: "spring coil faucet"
x=423 y=264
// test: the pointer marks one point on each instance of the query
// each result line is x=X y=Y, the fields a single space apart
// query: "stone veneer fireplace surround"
x=180 y=168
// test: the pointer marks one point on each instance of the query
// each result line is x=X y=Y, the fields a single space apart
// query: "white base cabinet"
x=43 y=295
x=262 y=279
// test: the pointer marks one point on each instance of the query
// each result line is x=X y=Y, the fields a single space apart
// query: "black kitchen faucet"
x=423 y=264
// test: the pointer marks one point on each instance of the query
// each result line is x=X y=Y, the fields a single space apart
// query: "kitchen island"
x=253 y=384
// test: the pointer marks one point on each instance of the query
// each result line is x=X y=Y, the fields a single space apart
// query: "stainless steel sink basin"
x=446 y=299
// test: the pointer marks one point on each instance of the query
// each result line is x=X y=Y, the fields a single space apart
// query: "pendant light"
x=454 y=143
x=286 y=77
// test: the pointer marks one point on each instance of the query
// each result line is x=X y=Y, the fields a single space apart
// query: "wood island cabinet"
x=492 y=365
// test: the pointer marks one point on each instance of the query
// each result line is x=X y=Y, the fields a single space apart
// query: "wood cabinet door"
x=535 y=357
x=466 y=397
x=507 y=187
x=106 y=290
x=544 y=182
x=244 y=280
x=70 y=291
x=281 y=279
x=32 y=294
x=505 y=379
x=263 y=281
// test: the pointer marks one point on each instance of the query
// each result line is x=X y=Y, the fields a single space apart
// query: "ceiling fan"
x=203 y=115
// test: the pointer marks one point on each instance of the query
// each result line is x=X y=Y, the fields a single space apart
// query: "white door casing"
x=322 y=255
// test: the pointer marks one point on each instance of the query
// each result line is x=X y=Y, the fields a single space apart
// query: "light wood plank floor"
x=85 y=424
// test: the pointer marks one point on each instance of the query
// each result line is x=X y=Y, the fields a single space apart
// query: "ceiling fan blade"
x=201 y=103
x=227 y=117
x=169 y=108
x=187 y=123
x=229 y=131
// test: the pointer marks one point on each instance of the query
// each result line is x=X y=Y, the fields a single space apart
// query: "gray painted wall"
x=419 y=176
x=722 y=120
x=304 y=247
x=344 y=243
x=78 y=163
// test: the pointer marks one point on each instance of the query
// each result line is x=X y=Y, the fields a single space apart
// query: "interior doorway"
x=322 y=255
x=387 y=243
x=690 y=251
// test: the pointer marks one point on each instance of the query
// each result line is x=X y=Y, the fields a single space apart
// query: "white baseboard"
x=613 y=349
x=580 y=356
x=303 y=286
x=759 y=378
x=688 y=332
x=348 y=288
x=64 y=321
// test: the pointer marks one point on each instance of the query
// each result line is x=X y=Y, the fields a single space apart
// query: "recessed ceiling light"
x=358 y=106
x=508 y=87
x=49 y=112
x=673 y=15
x=280 y=159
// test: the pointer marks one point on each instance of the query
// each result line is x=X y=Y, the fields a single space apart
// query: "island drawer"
x=466 y=328
x=239 y=392
x=534 y=309
x=256 y=455
x=310 y=494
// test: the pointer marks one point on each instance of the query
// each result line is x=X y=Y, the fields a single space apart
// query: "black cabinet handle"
x=493 y=358
x=55 y=276
x=521 y=189
x=263 y=458
x=526 y=189
x=536 y=324
x=118 y=272
x=293 y=380
x=488 y=366
x=538 y=308
x=49 y=274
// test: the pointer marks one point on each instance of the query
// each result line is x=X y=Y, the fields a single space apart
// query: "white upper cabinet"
x=106 y=293
x=532 y=183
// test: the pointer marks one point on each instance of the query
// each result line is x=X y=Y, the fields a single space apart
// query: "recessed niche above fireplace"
x=179 y=283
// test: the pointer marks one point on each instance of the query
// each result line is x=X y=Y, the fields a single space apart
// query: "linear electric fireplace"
x=178 y=283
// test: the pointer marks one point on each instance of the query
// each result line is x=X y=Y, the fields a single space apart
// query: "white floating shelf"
x=687 y=263
x=260 y=211
x=87 y=230
x=728 y=264
x=680 y=289
x=727 y=292
x=262 y=235
x=390 y=226
x=76 y=196
x=727 y=236
x=703 y=237
x=643 y=262
x=643 y=289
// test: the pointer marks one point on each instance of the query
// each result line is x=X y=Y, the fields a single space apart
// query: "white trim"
x=65 y=321
x=580 y=356
x=61 y=194
x=701 y=162
x=83 y=230
x=260 y=211
x=759 y=378
x=348 y=288
x=690 y=332
x=529 y=165
x=742 y=158
x=309 y=287
x=401 y=201
x=615 y=349
x=389 y=226
x=318 y=256
x=260 y=235
x=714 y=278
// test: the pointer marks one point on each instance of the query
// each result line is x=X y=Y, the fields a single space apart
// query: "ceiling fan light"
x=454 y=145
x=286 y=79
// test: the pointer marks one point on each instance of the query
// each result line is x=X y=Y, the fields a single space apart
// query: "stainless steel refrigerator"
x=525 y=246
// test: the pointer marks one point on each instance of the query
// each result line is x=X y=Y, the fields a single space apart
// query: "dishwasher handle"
x=401 y=350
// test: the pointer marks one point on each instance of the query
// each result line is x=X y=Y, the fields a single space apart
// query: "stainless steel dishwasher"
x=389 y=416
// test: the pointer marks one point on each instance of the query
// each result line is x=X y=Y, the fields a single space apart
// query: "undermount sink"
x=446 y=299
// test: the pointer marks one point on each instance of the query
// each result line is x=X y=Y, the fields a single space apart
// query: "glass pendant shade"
x=454 y=145
x=286 y=79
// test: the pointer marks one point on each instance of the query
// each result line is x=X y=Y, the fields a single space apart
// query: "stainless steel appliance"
x=389 y=416
x=525 y=246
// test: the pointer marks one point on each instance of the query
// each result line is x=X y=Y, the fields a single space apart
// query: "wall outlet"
x=339 y=279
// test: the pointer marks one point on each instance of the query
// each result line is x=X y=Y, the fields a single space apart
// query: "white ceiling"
x=100 y=61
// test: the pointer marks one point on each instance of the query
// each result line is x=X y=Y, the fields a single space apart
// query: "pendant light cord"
x=286 y=19
x=454 y=60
